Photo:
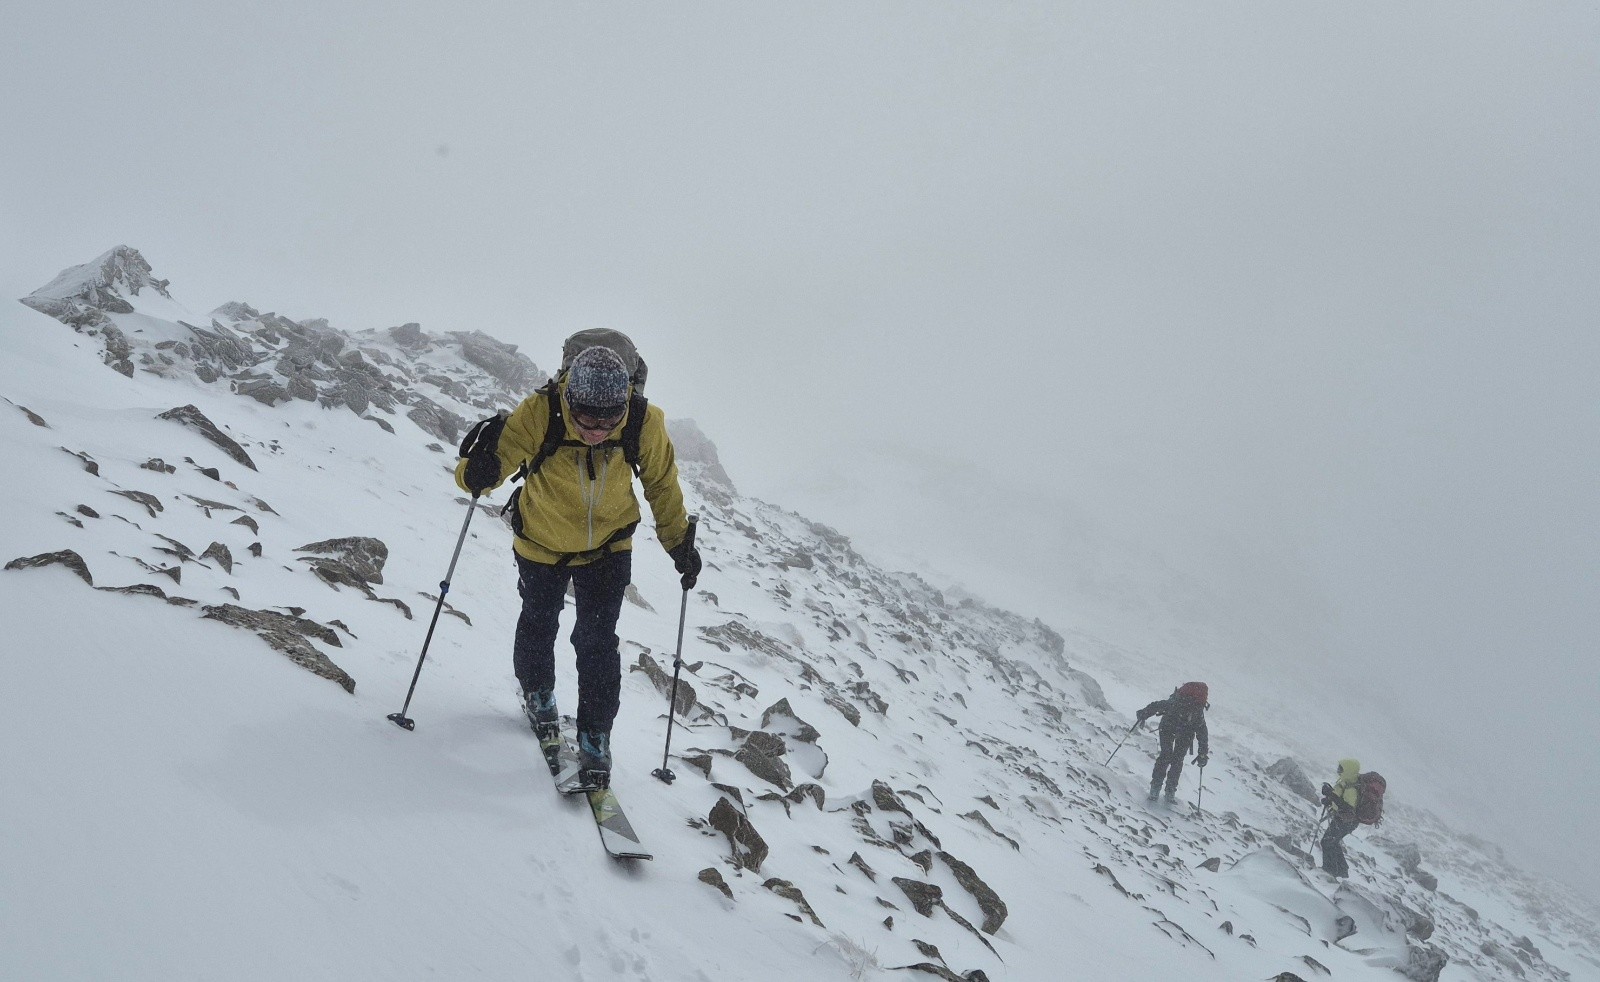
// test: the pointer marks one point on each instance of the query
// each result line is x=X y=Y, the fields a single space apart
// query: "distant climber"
x=1183 y=719
x=1339 y=804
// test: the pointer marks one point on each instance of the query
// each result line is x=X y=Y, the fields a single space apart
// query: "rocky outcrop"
x=287 y=634
x=193 y=418
x=1288 y=773
x=66 y=557
x=352 y=560
x=748 y=848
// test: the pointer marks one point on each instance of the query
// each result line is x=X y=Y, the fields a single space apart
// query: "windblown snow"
x=221 y=561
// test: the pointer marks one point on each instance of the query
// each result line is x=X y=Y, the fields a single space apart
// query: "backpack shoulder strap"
x=555 y=429
x=632 y=430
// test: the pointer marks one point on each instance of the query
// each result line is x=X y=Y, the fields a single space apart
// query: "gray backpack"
x=618 y=342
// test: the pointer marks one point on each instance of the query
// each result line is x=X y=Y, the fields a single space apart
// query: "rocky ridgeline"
x=273 y=359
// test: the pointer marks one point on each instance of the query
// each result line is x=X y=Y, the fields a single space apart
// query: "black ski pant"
x=598 y=587
x=1169 y=763
x=1333 y=844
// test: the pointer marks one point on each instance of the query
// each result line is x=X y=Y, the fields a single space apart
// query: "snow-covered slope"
x=872 y=775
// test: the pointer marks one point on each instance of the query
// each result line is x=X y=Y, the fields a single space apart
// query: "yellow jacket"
x=581 y=496
x=1345 y=789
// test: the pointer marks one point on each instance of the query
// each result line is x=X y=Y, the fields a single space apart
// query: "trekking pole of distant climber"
x=1202 y=790
x=1124 y=739
x=400 y=719
x=664 y=773
x=1316 y=832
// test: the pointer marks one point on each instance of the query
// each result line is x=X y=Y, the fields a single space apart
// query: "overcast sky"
x=1307 y=293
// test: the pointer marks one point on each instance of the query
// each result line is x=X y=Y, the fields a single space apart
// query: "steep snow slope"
x=879 y=775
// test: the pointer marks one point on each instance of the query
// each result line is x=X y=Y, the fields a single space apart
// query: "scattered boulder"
x=219 y=552
x=1289 y=774
x=748 y=848
x=353 y=560
x=924 y=897
x=789 y=891
x=994 y=909
x=287 y=634
x=248 y=523
x=192 y=417
x=66 y=557
x=781 y=718
x=761 y=753
x=713 y=877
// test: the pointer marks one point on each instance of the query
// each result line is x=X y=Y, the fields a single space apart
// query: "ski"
x=616 y=832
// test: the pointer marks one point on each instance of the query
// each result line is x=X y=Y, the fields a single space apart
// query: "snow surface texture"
x=872 y=776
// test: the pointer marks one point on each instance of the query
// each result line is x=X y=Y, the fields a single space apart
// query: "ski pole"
x=1124 y=739
x=400 y=719
x=1202 y=790
x=664 y=773
x=1316 y=830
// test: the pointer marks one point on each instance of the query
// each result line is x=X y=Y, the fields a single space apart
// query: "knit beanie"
x=597 y=382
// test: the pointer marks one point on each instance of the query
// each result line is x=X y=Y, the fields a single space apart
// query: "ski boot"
x=594 y=759
x=540 y=708
x=1171 y=796
x=1155 y=792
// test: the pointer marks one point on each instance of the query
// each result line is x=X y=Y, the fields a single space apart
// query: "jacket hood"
x=1349 y=770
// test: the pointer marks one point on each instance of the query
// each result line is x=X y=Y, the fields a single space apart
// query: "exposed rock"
x=1289 y=774
x=994 y=909
x=248 y=523
x=788 y=722
x=684 y=697
x=436 y=420
x=749 y=849
x=1213 y=864
x=861 y=864
x=1423 y=962
x=789 y=891
x=885 y=800
x=760 y=753
x=158 y=465
x=924 y=897
x=194 y=418
x=89 y=463
x=713 y=877
x=66 y=557
x=632 y=595
x=353 y=560
x=287 y=634
x=151 y=503
x=33 y=417
x=500 y=360
x=692 y=446
x=220 y=553
x=263 y=390
x=87 y=512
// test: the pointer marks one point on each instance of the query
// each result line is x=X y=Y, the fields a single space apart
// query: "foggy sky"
x=1319 y=284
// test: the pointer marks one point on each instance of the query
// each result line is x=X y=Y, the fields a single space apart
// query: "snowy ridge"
x=872 y=775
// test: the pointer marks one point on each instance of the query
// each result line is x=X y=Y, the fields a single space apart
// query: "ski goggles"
x=589 y=418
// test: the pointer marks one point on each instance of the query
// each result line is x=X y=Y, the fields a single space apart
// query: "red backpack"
x=1195 y=692
x=1370 y=787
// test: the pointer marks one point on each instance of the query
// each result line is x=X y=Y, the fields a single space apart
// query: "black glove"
x=686 y=560
x=481 y=449
x=1141 y=716
x=1202 y=759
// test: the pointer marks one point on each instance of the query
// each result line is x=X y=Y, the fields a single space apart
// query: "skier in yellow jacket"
x=574 y=520
x=1340 y=800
